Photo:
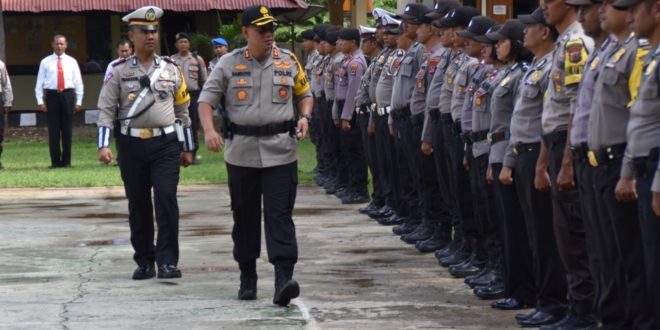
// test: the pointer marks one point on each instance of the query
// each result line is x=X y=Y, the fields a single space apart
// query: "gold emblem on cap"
x=263 y=10
x=150 y=15
x=131 y=97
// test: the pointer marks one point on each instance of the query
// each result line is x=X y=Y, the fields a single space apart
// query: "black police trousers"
x=388 y=176
x=489 y=219
x=448 y=197
x=60 y=125
x=604 y=259
x=353 y=164
x=3 y=120
x=570 y=236
x=650 y=227
x=370 y=150
x=626 y=261
x=549 y=273
x=146 y=164
x=408 y=168
x=318 y=130
x=276 y=186
x=517 y=257
x=432 y=206
x=330 y=144
x=194 y=119
x=479 y=199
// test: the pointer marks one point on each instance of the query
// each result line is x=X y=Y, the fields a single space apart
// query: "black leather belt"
x=580 y=151
x=647 y=165
x=401 y=113
x=479 y=136
x=66 y=90
x=466 y=137
x=456 y=127
x=435 y=115
x=606 y=155
x=554 y=138
x=264 y=130
x=446 y=118
x=498 y=136
x=522 y=148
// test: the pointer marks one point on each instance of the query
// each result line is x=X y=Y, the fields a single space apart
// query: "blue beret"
x=219 y=42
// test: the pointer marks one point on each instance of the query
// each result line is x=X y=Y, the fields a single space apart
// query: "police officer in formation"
x=524 y=154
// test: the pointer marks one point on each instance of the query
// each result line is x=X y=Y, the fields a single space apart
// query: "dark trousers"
x=604 y=257
x=385 y=158
x=411 y=180
x=330 y=144
x=625 y=264
x=277 y=187
x=432 y=204
x=479 y=198
x=650 y=228
x=352 y=157
x=517 y=257
x=459 y=181
x=147 y=164
x=3 y=120
x=370 y=150
x=490 y=221
x=60 y=125
x=549 y=273
x=448 y=198
x=194 y=119
x=340 y=152
x=318 y=129
x=570 y=236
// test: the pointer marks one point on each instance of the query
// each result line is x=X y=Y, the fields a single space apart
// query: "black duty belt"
x=264 y=130
x=479 y=136
x=446 y=118
x=554 y=138
x=66 y=90
x=418 y=119
x=580 y=151
x=434 y=114
x=498 y=136
x=456 y=127
x=466 y=137
x=606 y=155
x=401 y=113
x=522 y=148
x=647 y=165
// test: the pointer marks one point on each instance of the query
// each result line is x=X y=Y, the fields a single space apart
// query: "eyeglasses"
x=264 y=28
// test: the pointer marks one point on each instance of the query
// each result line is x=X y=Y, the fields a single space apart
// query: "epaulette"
x=284 y=51
x=399 y=52
x=643 y=43
x=169 y=60
x=121 y=61
x=541 y=64
x=524 y=66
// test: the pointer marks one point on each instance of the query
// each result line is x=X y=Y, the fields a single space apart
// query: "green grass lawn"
x=26 y=165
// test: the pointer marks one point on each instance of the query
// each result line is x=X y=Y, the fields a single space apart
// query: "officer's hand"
x=186 y=158
x=465 y=163
x=565 y=178
x=7 y=109
x=105 y=155
x=76 y=108
x=336 y=122
x=302 y=129
x=542 y=181
x=42 y=108
x=489 y=174
x=371 y=129
x=625 y=190
x=345 y=125
x=213 y=140
x=656 y=203
x=427 y=148
x=505 y=176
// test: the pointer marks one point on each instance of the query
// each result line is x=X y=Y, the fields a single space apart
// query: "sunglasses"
x=264 y=28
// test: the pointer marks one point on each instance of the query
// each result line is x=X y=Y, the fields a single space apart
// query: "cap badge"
x=263 y=10
x=150 y=15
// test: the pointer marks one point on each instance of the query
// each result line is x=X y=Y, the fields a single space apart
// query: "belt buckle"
x=146 y=133
x=373 y=107
x=515 y=151
x=489 y=137
x=592 y=158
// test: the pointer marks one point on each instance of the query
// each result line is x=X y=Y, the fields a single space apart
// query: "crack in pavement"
x=81 y=292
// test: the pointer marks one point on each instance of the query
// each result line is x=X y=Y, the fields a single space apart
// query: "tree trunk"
x=336 y=12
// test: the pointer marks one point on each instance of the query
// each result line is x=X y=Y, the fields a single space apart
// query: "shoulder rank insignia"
x=594 y=63
x=617 y=56
x=650 y=68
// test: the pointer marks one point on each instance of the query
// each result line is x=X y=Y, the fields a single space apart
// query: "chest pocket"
x=164 y=89
x=242 y=91
x=531 y=91
x=406 y=68
x=282 y=89
x=480 y=100
x=131 y=91
x=501 y=91
x=193 y=71
x=610 y=76
x=461 y=80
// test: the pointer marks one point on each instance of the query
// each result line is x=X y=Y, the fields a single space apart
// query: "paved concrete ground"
x=66 y=264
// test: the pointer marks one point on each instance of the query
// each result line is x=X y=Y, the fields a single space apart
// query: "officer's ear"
x=244 y=31
x=130 y=36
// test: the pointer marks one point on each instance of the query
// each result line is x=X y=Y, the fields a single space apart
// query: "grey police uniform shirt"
x=362 y=95
x=526 y=126
x=213 y=62
x=377 y=65
x=386 y=79
x=465 y=72
x=505 y=94
x=316 y=78
x=329 y=70
x=570 y=55
x=447 y=91
x=423 y=77
x=353 y=71
x=309 y=65
x=435 y=90
x=5 y=86
x=644 y=124
x=258 y=94
x=404 y=77
x=585 y=96
x=481 y=106
x=483 y=72
x=122 y=86
x=194 y=70
x=610 y=109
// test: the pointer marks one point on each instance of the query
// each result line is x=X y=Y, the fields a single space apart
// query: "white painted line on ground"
x=310 y=323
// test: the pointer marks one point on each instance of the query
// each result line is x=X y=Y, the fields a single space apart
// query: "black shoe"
x=248 y=289
x=392 y=220
x=383 y=212
x=342 y=191
x=508 y=304
x=168 y=271
x=493 y=291
x=406 y=227
x=371 y=207
x=422 y=232
x=540 y=318
x=144 y=272
x=572 y=322
x=484 y=278
x=467 y=268
x=286 y=288
x=448 y=250
x=355 y=198
x=431 y=244
x=523 y=317
x=458 y=257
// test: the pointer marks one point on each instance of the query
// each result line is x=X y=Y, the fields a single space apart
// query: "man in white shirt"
x=124 y=50
x=59 y=93
x=7 y=97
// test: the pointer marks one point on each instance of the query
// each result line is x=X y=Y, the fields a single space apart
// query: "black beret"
x=308 y=35
x=350 y=34
x=331 y=35
x=181 y=35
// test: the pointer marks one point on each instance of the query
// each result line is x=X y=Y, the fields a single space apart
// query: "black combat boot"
x=286 y=288
x=248 y=289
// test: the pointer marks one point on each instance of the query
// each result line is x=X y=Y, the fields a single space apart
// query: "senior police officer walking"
x=148 y=94
x=7 y=97
x=260 y=83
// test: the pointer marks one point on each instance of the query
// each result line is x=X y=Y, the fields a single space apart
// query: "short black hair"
x=519 y=53
x=123 y=41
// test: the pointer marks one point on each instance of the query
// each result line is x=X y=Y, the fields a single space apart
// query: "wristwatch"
x=308 y=117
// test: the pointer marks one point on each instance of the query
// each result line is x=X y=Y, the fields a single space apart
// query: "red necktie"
x=60 y=75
